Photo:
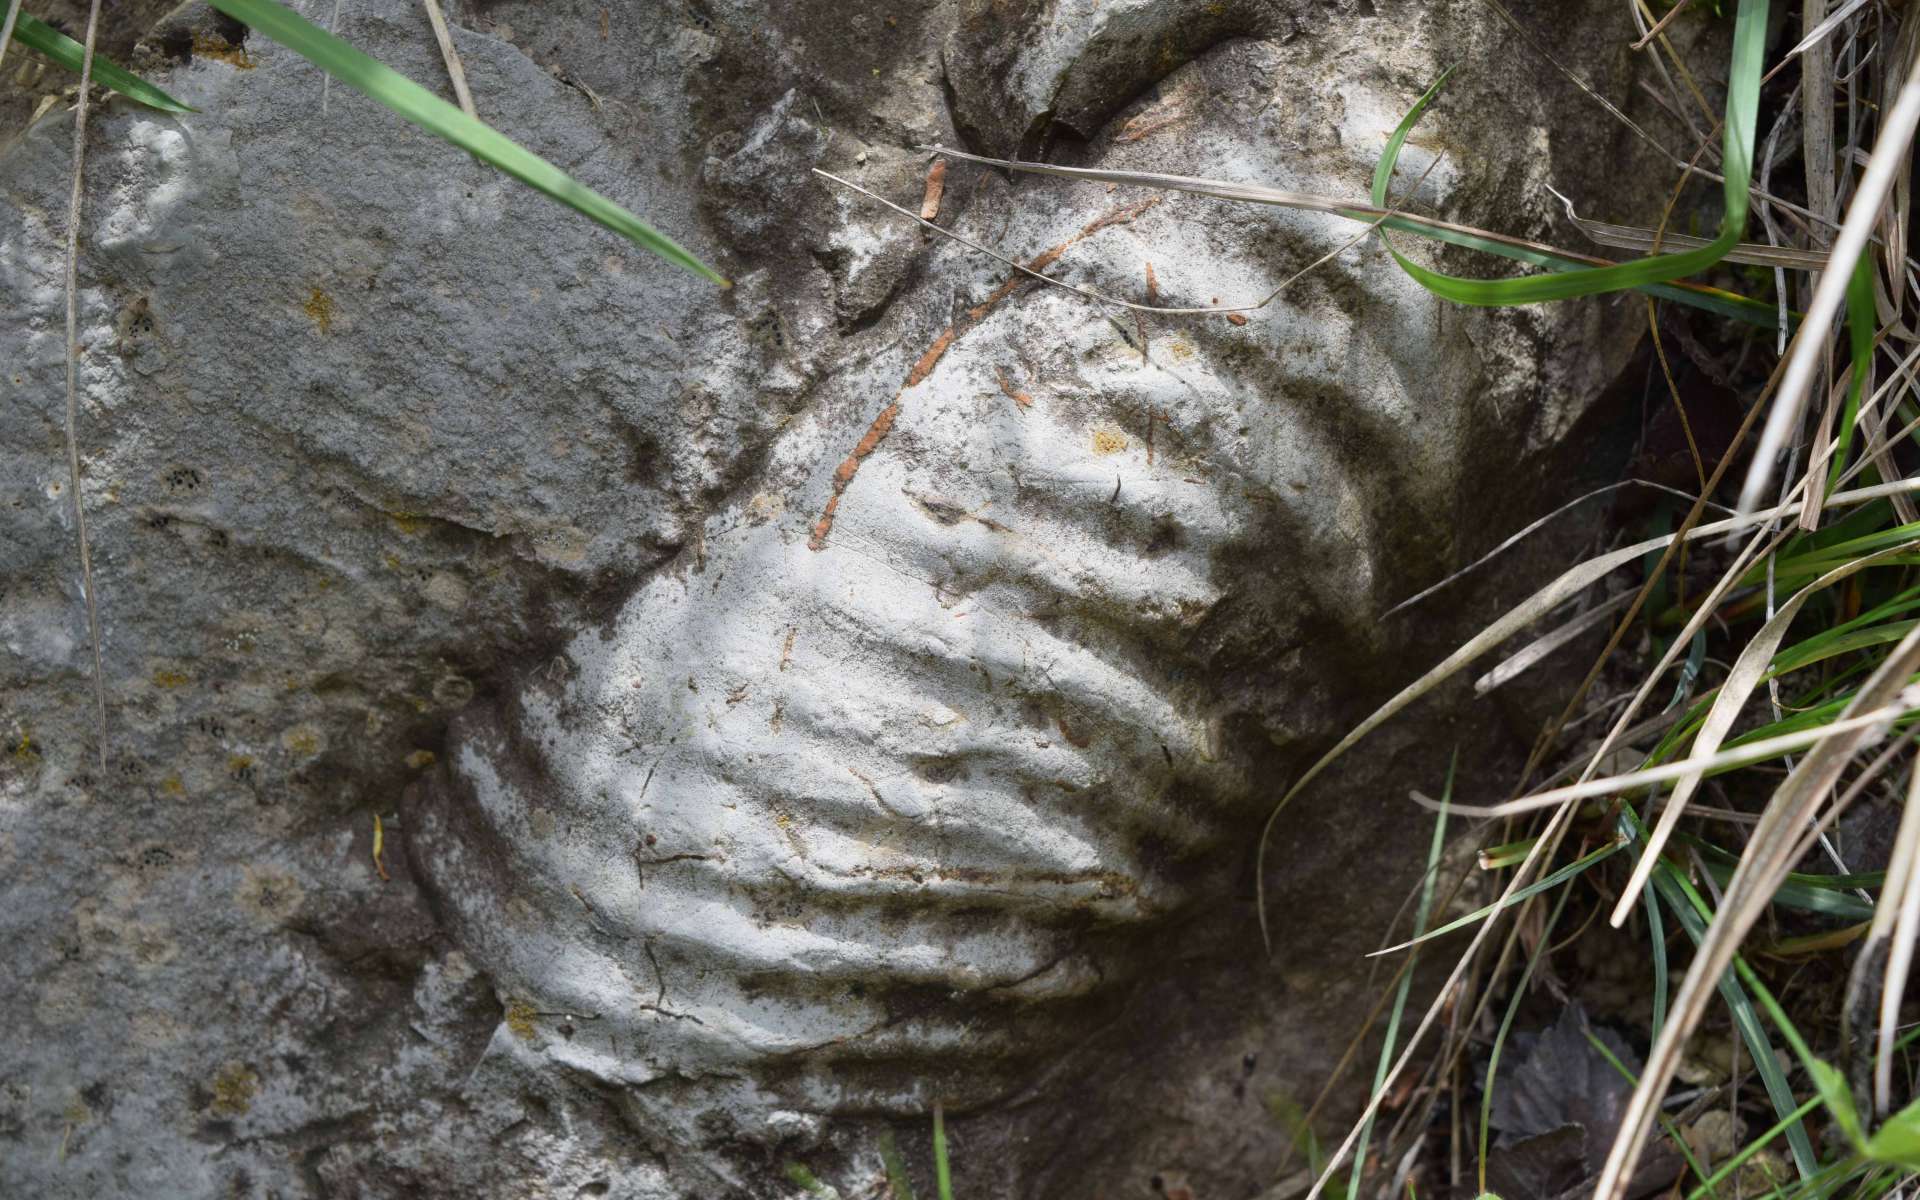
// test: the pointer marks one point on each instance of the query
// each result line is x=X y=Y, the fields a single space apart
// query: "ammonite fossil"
x=870 y=794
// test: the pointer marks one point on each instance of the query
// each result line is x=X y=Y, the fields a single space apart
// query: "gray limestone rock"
x=779 y=710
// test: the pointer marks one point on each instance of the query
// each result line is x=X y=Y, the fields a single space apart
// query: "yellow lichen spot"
x=238 y=763
x=408 y=523
x=172 y=786
x=319 y=307
x=520 y=1017
x=1179 y=350
x=24 y=750
x=303 y=741
x=168 y=680
x=420 y=760
x=234 y=1089
x=206 y=46
x=1107 y=441
x=765 y=507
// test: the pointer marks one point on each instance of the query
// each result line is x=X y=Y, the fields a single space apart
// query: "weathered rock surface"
x=783 y=709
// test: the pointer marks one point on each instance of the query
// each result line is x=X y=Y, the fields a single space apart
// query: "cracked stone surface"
x=781 y=710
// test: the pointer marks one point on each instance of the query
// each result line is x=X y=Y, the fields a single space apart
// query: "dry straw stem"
x=1592 y=93
x=1821 y=31
x=1660 y=26
x=1548 y=842
x=1765 y=865
x=1649 y=241
x=1816 y=122
x=1897 y=915
x=1533 y=528
x=1088 y=293
x=990 y=252
x=73 y=387
x=1890 y=152
x=1537 y=650
x=6 y=28
x=455 y=71
x=1256 y=193
x=1742 y=755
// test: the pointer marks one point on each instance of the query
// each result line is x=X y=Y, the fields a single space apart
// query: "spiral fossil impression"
x=876 y=793
x=896 y=785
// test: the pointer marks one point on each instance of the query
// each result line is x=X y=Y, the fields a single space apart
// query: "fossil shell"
x=880 y=790
x=898 y=799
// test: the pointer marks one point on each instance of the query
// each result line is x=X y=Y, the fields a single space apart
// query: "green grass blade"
x=1861 y=319
x=1743 y=94
x=1533 y=889
x=1711 y=299
x=1832 y=645
x=1656 y=931
x=800 y=1177
x=1826 y=901
x=1506 y=1026
x=444 y=120
x=1693 y=914
x=1719 y=855
x=1672 y=1130
x=38 y=35
x=1898 y=1140
x=898 y=1181
x=1756 y=1146
x=942 y=1178
x=1828 y=1082
x=1422 y=914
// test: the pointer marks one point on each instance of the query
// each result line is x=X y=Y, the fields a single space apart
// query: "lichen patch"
x=268 y=895
x=319 y=310
x=519 y=1019
x=234 y=1088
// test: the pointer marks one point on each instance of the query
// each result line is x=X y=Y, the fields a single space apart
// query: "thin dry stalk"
x=1749 y=752
x=326 y=79
x=1816 y=121
x=1897 y=916
x=1890 y=153
x=455 y=71
x=6 y=29
x=1533 y=528
x=1100 y=298
x=74 y=205
x=1592 y=93
x=1642 y=18
x=1906 y=929
x=1660 y=26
